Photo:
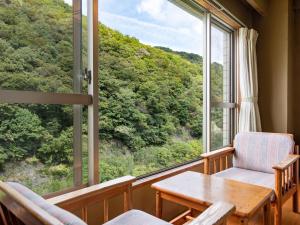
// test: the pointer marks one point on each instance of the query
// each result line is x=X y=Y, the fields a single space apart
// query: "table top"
x=206 y=189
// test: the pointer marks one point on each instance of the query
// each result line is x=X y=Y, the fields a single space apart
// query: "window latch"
x=87 y=75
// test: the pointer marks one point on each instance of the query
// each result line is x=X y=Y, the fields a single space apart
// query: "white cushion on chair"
x=260 y=150
x=136 y=217
x=249 y=176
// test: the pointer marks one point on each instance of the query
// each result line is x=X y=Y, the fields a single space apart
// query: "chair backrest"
x=260 y=151
x=21 y=206
x=80 y=200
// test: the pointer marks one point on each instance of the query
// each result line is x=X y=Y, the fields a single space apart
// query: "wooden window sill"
x=165 y=174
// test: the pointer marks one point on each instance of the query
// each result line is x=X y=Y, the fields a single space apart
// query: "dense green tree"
x=150 y=98
x=21 y=133
x=58 y=150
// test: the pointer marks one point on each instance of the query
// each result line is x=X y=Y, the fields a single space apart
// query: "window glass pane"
x=36 y=45
x=36 y=146
x=220 y=87
x=150 y=86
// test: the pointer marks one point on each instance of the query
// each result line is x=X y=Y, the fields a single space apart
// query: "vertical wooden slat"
x=221 y=163
x=215 y=165
x=282 y=183
x=296 y=181
x=84 y=214
x=288 y=177
x=206 y=166
x=226 y=162
x=127 y=199
x=285 y=180
x=105 y=208
x=278 y=193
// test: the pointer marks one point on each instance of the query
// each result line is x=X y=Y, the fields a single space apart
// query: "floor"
x=289 y=217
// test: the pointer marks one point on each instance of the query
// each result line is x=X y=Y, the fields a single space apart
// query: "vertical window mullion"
x=235 y=82
x=232 y=86
x=77 y=88
x=93 y=127
x=206 y=83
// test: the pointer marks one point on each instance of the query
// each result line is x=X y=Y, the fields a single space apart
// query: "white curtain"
x=249 y=118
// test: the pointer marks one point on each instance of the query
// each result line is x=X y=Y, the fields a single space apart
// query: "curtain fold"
x=249 y=118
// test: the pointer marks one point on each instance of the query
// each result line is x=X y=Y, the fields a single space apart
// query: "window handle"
x=87 y=75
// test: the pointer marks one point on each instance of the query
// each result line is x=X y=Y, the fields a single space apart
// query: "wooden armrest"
x=93 y=191
x=287 y=162
x=218 y=153
x=14 y=198
x=215 y=214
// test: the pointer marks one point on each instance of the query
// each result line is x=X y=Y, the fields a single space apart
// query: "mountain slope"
x=150 y=99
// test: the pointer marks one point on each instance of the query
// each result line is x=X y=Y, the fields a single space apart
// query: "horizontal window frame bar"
x=33 y=97
x=168 y=168
x=229 y=105
x=220 y=12
x=221 y=24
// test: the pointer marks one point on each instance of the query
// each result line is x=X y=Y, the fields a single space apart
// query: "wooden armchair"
x=21 y=206
x=266 y=159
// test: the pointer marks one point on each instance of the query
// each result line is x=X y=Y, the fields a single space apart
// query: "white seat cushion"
x=249 y=176
x=136 y=217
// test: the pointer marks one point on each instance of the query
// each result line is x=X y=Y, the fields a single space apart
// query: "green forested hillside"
x=150 y=99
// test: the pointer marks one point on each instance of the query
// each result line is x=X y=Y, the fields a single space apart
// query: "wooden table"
x=198 y=191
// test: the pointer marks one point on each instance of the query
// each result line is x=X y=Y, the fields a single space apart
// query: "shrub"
x=32 y=160
x=58 y=150
x=60 y=170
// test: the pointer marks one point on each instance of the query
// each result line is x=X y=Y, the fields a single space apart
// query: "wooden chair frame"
x=286 y=176
x=16 y=209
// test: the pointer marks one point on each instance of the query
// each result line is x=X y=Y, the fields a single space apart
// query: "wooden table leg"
x=158 y=205
x=277 y=213
x=267 y=213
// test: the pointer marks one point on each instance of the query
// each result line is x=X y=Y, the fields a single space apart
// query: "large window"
x=151 y=60
x=43 y=121
x=164 y=94
x=151 y=85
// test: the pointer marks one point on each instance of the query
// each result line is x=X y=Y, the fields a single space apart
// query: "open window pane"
x=150 y=86
x=37 y=45
x=221 y=87
x=36 y=146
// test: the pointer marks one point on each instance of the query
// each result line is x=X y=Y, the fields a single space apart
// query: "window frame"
x=91 y=98
x=212 y=19
x=232 y=104
x=209 y=19
x=77 y=99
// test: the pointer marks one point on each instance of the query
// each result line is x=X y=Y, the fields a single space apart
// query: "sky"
x=158 y=23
